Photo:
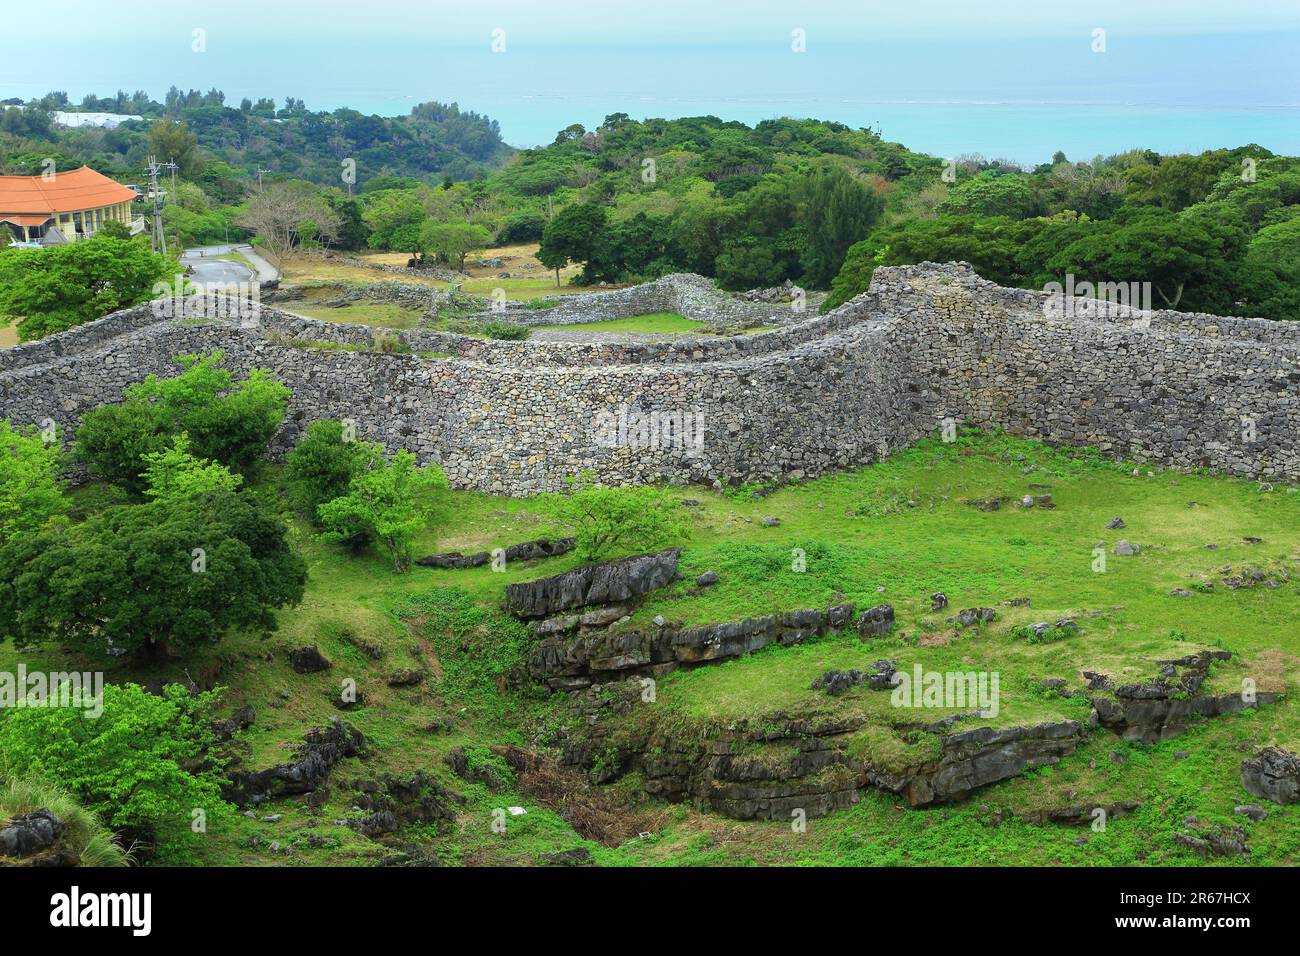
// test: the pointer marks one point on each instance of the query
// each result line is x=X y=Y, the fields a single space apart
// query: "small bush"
x=607 y=521
x=507 y=331
x=323 y=464
x=225 y=422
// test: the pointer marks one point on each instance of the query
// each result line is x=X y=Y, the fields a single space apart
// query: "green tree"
x=394 y=218
x=836 y=211
x=112 y=229
x=608 y=521
x=572 y=236
x=230 y=423
x=30 y=490
x=453 y=241
x=175 y=473
x=990 y=193
x=322 y=465
x=1184 y=260
x=176 y=572
x=141 y=766
x=388 y=502
x=171 y=141
x=1272 y=270
x=51 y=290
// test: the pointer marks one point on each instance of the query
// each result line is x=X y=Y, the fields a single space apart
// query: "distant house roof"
x=72 y=191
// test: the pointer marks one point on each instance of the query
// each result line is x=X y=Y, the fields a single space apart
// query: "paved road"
x=211 y=270
x=208 y=268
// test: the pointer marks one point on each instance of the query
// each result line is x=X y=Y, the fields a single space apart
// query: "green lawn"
x=660 y=323
x=892 y=532
x=378 y=315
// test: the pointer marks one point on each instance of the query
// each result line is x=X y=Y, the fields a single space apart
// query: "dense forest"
x=812 y=202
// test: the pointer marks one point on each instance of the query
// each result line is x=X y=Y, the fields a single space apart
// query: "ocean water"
x=1019 y=98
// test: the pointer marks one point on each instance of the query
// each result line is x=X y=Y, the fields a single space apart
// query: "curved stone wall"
x=925 y=343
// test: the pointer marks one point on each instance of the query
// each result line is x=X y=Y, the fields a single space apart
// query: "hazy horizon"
x=1018 y=82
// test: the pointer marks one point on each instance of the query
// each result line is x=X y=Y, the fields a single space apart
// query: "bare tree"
x=285 y=214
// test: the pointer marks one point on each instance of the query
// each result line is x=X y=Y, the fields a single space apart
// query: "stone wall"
x=823 y=393
x=691 y=296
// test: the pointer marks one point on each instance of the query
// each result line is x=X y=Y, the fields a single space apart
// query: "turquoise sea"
x=1019 y=98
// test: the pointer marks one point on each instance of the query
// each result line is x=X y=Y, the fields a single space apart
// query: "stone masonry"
x=820 y=393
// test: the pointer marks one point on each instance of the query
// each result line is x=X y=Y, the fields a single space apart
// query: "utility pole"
x=158 y=237
x=260 y=170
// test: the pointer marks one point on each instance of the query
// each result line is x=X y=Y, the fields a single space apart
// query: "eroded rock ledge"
x=320 y=751
x=809 y=764
x=605 y=583
x=597 y=655
x=1159 y=709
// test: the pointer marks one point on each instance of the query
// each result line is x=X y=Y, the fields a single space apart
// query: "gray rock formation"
x=308 y=660
x=320 y=751
x=605 y=583
x=527 y=551
x=1272 y=774
x=599 y=656
x=30 y=833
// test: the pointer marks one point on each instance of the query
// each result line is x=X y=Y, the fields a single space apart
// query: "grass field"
x=892 y=532
x=660 y=323
x=378 y=315
x=528 y=278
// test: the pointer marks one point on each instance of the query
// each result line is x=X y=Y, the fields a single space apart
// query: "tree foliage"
x=139 y=766
x=31 y=491
x=610 y=521
x=177 y=572
x=323 y=463
x=52 y=290
x=388 y=503
x=227 y=422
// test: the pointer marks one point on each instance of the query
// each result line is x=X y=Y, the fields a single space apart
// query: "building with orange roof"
x=64 y=207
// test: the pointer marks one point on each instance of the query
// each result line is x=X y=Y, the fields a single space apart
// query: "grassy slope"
x=864 y=541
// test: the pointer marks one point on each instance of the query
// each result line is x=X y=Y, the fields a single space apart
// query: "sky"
x=641 y=21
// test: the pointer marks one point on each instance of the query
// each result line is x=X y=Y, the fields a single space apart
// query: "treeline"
x=1218 y=232
x=814 y=202
x=434 y=140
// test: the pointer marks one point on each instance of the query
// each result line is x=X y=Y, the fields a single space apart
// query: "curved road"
x=209 y=269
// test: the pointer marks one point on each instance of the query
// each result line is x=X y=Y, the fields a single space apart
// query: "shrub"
x=505 y=330
x=385 y=502
x=175 y=473
x=324 y=462
x=608 y=520
x=139 y=766
x=521 y=227
x=226 y=422
x=51 y=290
x=30 y=490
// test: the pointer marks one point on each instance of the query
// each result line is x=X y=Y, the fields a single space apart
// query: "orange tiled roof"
x=72 y=191
x=18 y=219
